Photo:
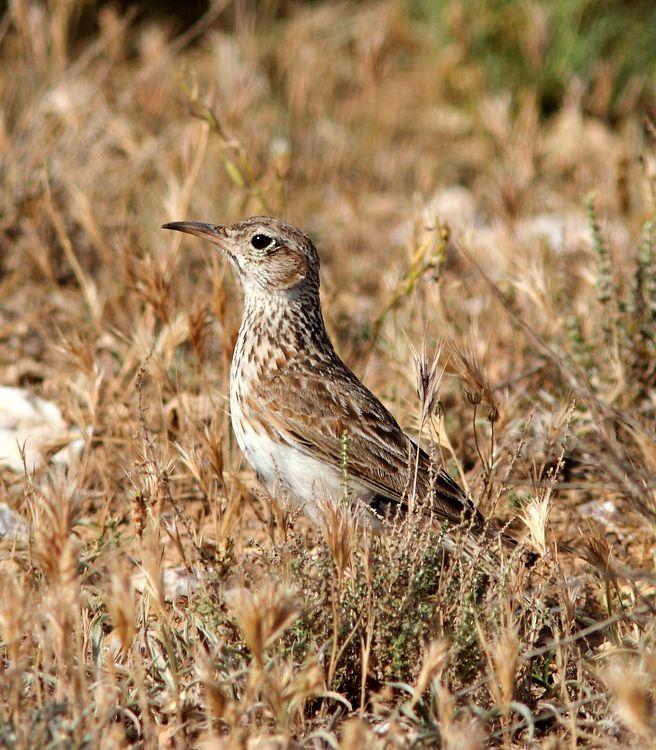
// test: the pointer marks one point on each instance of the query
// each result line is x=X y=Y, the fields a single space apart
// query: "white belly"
x=287 y=472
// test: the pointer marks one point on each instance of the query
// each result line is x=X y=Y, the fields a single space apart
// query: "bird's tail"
x=489 y=547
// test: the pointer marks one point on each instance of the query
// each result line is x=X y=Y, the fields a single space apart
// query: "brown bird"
x=298 y=412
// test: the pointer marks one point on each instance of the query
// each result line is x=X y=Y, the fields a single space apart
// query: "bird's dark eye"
x=260 y=241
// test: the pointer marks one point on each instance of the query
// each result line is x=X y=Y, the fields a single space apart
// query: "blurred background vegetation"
x=603 y=51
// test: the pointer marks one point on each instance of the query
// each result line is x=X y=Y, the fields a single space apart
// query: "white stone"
x=34 y=425
x=12 y=526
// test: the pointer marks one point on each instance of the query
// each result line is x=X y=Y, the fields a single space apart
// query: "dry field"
x=150 y=594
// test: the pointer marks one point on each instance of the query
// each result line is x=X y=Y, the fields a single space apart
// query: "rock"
x=176 y=582
x=605 y=512
x=12 y=526
x=36 y=426
x=455 y=205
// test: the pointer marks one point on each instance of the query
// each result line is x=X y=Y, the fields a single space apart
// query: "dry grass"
x=353 y=122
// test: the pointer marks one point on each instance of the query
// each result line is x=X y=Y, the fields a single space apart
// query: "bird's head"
x=268 y=254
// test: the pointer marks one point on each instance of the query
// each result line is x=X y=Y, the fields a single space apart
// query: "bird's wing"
x=314 y=410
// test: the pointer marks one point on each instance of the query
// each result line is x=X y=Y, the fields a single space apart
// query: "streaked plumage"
x=293 y=400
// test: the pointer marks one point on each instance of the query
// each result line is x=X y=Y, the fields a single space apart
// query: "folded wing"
x=333 y=417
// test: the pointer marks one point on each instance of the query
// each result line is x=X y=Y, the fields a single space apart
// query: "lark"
x=300 y=415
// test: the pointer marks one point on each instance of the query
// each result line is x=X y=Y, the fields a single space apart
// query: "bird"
x=300 y=415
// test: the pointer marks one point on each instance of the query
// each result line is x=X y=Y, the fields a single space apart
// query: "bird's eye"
x=260 y=241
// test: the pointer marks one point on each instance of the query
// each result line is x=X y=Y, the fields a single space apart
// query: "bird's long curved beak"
x=215 y=233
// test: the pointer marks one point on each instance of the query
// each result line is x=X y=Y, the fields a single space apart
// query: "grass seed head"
x=262 y=616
